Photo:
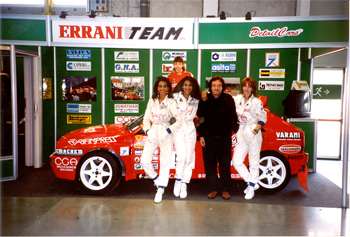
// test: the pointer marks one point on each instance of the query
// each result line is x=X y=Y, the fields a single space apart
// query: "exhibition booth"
x=89 y=71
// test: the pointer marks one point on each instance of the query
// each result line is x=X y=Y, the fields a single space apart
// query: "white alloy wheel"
x=274 y=174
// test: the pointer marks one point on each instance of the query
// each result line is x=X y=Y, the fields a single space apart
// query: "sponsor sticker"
x=78 y=119
x=223 y=56
x=78 y=53
x=272 y=59
x=126 y=108
x=66 y=164
x=223 y=68
x=126 y=67
x=140 y=145
x=88 y=141
x=290 y=149
x=271 y=73
x=69 y=152
x=138 y=166
x=288 y=135
x=138 y=152
x=271 y=85
x=78 y=108
x=126 y=56
x=78 y=66
x=295 y=157
x=124 y=151
x=137 y=159
x=170 y=56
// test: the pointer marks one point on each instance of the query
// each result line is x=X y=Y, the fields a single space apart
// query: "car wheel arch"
x=112 y=153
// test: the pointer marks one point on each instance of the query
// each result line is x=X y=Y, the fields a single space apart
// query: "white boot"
x=256 y=187
x=159 y=195
x=183 y=190
x=156 y=182
x=250 y=193
x=177 y=187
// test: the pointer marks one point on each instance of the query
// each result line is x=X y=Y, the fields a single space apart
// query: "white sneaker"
x=183 y=191
x=256 y=187
x=177 y=187
x=250 y=193
x=159 y=195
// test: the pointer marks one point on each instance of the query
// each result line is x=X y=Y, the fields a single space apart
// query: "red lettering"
x=74 y=32
x=63 y=31
x=86 y=31
x=110 y=32
x=99 y=32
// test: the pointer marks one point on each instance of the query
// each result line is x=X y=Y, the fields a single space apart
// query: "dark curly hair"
x=195 y=93
x=155 y=88
x=217 y=78
x=250 y=82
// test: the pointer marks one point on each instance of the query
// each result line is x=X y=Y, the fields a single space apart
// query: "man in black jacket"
x=220 y=120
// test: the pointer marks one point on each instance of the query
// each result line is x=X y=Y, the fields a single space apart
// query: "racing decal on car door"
x=290 y=149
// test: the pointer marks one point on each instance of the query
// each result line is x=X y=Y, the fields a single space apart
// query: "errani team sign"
x=279 y=32
x=151 y=32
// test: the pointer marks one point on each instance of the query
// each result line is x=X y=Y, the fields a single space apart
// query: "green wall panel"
x=289 y=62
x=309 y=130
x=96 y=115
x=110 y=71
x=23 y=29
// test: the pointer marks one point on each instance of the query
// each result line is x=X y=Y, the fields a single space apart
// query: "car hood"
x=111 y=130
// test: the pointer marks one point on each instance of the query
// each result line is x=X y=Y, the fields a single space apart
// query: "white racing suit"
x=159 y=116
x=185 y=138
x=249 y=113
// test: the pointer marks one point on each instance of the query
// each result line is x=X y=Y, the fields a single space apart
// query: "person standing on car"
x=252 y=117
x=220 y=120
x=187 y=95
x=179 y=72
x=156 y=123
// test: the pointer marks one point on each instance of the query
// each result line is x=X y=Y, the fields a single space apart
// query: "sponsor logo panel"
x=123 y=119
x=138 y=152
x=271 y=85
x=78 y=66
x=126 y=56
x=125 y=67
x=66 y=163
x=288 y=135
x=126 y=108
x=78 y=54
x=223 y=68
x=78 y=119
x=79 y=108
x=223 y=56
x=271 y=73
x=272 y=59
x=170 y=56
x=69 y=152
x=124 y=151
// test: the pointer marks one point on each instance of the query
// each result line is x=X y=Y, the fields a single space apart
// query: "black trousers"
x=218 y=150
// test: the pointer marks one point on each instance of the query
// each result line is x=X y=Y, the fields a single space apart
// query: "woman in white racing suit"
x=187 y=95
x=156 y=123
x=252 y=117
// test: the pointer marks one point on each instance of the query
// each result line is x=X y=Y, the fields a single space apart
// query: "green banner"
x=327 y=92
x=274 y=32
x=23 y=29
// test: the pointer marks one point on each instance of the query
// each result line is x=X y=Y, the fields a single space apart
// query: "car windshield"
x=133 y=124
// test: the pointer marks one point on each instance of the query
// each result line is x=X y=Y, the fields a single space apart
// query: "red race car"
x=99 y=156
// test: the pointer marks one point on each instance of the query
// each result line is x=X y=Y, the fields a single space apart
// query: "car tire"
x=274 y=171
x=98 y=172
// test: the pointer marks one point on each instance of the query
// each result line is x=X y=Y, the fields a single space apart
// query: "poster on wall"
x=272 y=59
x=271 y=85
x=127 y=88
x=78 y=88
x=232 y=85
x=271 y=73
